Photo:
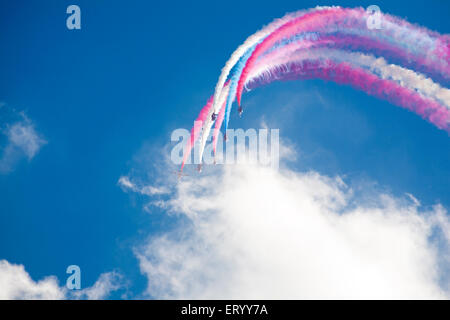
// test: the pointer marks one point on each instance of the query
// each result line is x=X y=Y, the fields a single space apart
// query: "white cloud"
x=16 y=283
x=102 y=288
x=23 y=136
x=256 y=233
x=147 y=190
x=22 y=140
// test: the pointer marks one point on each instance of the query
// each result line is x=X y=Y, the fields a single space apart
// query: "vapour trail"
x=401 y=63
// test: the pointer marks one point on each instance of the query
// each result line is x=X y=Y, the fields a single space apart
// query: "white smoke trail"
x=209 y=122
x=250 y=42
x=403 y=76
x=235 y=56
x=410 y=37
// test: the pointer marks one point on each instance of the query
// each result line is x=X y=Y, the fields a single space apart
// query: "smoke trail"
x=404 y=78
x=199 y=125
x=271 y=40
x=195 y=131
x=416 y=41
x=378 y=66
x=209 y=122
x=234 y=82
x=275 y=66
x=251 y=42
x=217 y=127
x=320 y=43
x=345 y=74
x=357 y=41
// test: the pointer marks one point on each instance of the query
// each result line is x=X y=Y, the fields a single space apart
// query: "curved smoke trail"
x=335 y=44
x=346 y=74
x=251 y=42
x=417 y=44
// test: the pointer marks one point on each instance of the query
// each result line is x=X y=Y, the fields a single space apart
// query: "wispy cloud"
x=23 y=136
x=148 y=190
x=22 y=141
x=106 y=284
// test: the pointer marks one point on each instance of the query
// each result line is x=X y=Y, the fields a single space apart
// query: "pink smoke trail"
x=217 y=127
x=195 y=131
x=198 y=124
x=284 y=31
x=343 y=73
x=406 y=39
x=338 y=28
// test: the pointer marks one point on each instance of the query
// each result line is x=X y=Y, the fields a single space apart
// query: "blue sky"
x=108 y=95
